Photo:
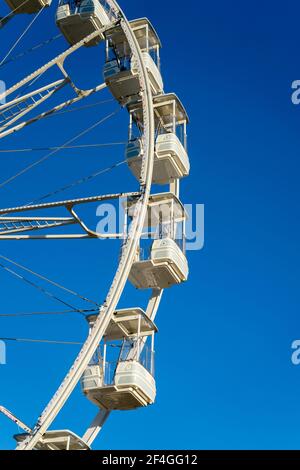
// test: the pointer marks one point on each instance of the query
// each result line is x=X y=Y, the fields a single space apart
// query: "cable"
x=32 y=49
x=11 y=13
x=79 y=108
x=22 y=35
x=86 y=106
x=77 y=182
x=69 y=147
x=54 y=113
x=41 y=289
x=41 y=160
x=29 y=314
x=40 y=276
x=28 y=85
x=47 y=341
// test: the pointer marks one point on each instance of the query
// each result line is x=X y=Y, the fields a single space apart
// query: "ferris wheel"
x=152 y=253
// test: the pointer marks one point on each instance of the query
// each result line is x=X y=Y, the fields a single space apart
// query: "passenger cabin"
x=77 y=19
x=160 y=260
x=29 y=6
x=57 y=440
x=171 y=160
x=121 y=375
x=121 y=71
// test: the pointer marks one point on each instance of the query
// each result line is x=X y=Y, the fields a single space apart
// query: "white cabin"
x=77 y=19
x=57 y=440
x=31 y=6
x=121 y=71
x=171 y=161
x=166 y=266
x=128 y=382
x=160 y=260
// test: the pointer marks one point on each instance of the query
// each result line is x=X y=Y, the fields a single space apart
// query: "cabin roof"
x=159 y=207
x=163 y=107
x=153 y=36
x=124 y=324
x=57 y=438
x=118 y=37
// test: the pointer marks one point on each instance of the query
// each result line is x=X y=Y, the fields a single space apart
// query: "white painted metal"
x=13 y=418
x=28 y=6
x=125 y=323
x=16 y=225
x=128 y=254
x=11 y=109
x=37 y=97
x=166 y=263
x=170 y=160
x=81 y=95
x=144 y=32
x=18 y=100
x=57 y=440
x=162 y=208
x=15 y=110
x=132 y=375
x=124 y=84
x=138 y=214
x=168 y=111
x=96 y=426
x=58 y=61
x=68 y=202
x=166 y=267
x=120 y=71
x=77 y=21
x=92 y=378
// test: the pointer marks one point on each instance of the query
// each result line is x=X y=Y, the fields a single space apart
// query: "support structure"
x=127 y=257
x=142 y=97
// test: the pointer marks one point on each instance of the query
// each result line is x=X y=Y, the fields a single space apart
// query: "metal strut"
x=12 y=226
x=15 y=109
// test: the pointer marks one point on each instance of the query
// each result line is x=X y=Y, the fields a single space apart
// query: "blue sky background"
x=224 y=374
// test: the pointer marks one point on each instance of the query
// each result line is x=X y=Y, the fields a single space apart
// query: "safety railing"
x=87 y=6
x=145 y=358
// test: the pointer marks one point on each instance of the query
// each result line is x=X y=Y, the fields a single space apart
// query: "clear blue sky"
x=224 y=374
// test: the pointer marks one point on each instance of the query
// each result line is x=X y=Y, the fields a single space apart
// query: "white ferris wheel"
x=152 y=240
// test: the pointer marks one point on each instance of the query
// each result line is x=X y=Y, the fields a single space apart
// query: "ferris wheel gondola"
x=27 y=6
x=79 y=18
